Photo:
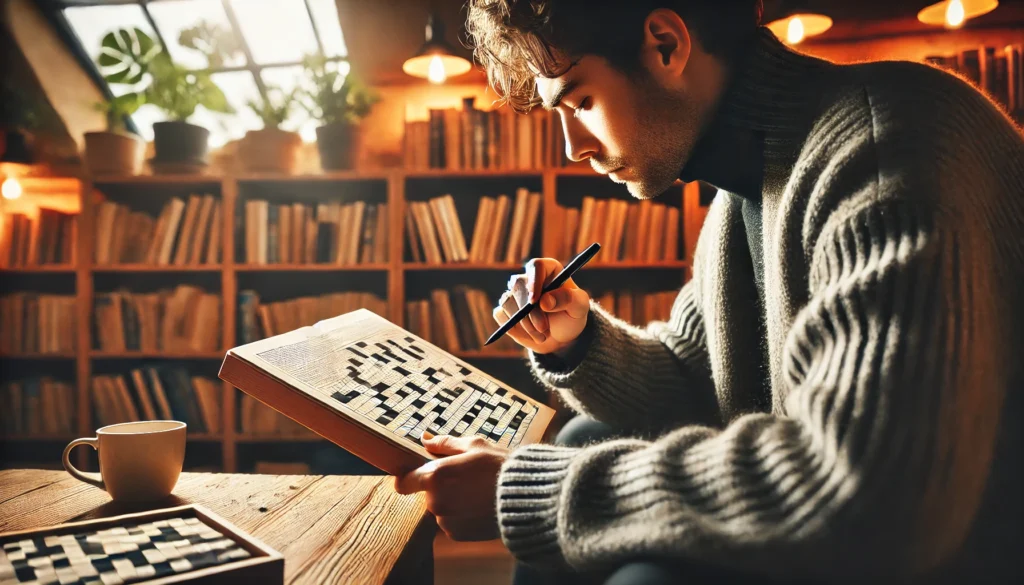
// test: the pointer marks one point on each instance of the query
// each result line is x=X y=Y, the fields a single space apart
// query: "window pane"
x=287 y=78
x=174 y=16
x=238 y=87
x=276 y=30
x=325 y=16
x=92 y=23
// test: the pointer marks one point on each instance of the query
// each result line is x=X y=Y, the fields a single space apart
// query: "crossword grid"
x=408 y=388
x=124 y=554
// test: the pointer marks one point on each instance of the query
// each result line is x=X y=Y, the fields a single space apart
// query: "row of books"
x=257 y=320
x=49 y=238
x=185 y=319
x=474 y=139
x=37 y=406
x=328 y=233
x=186 y=232
x=638 y=308
x=456 y=320
x=257 y=419
x=503 y=231
x=158 y=393
x=996 y=70
x=37 y=323
x=642 y=231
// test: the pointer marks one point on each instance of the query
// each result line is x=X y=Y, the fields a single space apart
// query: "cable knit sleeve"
x=890 y=375
x=638 y=378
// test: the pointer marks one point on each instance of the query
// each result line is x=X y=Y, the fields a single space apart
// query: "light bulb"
x=795 y=34
x=955 y=13
x=435 y=72
x=11 y=188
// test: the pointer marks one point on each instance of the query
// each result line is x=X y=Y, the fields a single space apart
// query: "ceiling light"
x=436 y=60
x=794 y=28
x=954 y=13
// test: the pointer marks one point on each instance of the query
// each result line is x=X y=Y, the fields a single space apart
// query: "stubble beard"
x=663 y=142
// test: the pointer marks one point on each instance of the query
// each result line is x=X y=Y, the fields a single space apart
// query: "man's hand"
x=562 y=315
x=461 y=487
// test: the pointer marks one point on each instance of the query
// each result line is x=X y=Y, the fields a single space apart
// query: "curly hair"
x=518 y=40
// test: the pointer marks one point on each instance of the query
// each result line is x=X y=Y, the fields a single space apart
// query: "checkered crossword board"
x=130 y=553
x=390 y=379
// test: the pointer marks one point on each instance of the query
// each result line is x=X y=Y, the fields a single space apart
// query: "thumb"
x=444 y=444
x=572 y=300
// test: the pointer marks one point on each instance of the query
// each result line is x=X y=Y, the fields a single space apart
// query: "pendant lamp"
x=799 y=23
x=436 y=60
x=954 y=13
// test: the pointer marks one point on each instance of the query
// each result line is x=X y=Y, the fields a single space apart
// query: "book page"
x=385 y=377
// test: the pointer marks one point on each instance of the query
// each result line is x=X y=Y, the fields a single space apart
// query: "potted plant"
x=339 y=101
x=271 y=149
x=115 y=151
x=131 y=57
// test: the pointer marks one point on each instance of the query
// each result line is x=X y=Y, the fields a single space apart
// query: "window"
x=270 y=38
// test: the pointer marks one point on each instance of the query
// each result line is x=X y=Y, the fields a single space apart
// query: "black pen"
x=566 y=273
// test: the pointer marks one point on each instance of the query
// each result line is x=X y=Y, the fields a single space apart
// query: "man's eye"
x=584 y=104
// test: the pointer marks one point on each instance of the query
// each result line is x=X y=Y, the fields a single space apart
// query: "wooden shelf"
x=494 y=355
x=35 y=438
x=38 y=356
x=155 y=179
x=278 y=439
x=159 y=355
x=311 y=268
x=383 y=174
x=417 y=266
x=156 y=268
x=42 y=268
x=469 y=173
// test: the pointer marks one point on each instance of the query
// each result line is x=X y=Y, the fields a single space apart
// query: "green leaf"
x=125 y=55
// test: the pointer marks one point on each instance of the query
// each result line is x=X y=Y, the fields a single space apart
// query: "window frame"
x=55 y=12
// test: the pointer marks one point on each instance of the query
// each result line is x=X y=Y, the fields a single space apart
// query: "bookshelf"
x=396 y=281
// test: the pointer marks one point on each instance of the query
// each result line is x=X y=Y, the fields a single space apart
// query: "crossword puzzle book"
x=373 y=389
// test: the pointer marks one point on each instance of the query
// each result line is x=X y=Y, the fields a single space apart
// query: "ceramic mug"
x=139 y=461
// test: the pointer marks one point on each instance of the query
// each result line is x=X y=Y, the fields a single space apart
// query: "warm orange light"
x=435 y=71
x=795 y=34
x=11 y=188
x=798 y=27
x=954 y=13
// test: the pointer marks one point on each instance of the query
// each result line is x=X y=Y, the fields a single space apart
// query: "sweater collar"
x=760 y=120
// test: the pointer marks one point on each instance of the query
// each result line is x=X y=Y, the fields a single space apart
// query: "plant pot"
x=269 y=150
x=113 y=153
x=337 y=145
x=180 y=143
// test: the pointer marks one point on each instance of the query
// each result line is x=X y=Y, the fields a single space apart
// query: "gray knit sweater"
x=874 y=433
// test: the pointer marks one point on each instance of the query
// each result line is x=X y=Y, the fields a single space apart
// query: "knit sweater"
x=874 y=432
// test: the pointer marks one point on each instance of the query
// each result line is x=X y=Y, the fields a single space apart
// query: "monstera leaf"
x=126 y=54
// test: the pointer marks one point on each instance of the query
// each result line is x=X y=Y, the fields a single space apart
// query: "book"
x=373 y=389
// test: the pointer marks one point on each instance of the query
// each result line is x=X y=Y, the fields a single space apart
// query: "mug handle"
x=89 y=478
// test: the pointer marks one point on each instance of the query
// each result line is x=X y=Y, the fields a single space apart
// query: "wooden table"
x=330 y=529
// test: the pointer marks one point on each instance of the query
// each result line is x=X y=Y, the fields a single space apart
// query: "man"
x=837 y=394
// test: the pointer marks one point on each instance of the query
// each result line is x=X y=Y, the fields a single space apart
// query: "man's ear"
x=666 y=46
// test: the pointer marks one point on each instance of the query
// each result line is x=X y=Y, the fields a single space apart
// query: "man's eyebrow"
x=560 y=93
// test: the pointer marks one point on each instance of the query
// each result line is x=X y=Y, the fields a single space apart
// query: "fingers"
x=449 y=445
x=417 y=480
x=579 y=304
x=519 y=289
x=539 y=272
x=517 y=333
x=509 y=306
